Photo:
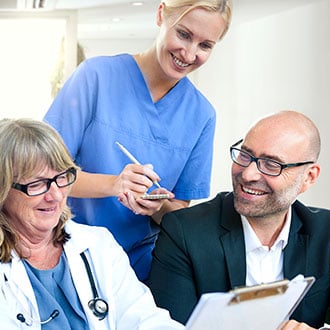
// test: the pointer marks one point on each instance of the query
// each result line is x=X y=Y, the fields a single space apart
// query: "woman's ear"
x=312 y=173
x=160 y=13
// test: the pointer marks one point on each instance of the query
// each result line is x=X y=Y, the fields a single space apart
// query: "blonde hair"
x=26 y=147
x=223 y=6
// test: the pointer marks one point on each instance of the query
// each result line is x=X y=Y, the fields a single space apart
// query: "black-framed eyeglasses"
x=41 y=186
x=265 y=165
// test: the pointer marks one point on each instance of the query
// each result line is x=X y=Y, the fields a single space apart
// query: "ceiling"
x=100 y=19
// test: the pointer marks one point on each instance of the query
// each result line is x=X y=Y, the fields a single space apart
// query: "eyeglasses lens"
x=41 y=186
x=266 y=166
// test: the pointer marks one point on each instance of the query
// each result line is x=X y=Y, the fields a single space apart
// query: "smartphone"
x=155 y=196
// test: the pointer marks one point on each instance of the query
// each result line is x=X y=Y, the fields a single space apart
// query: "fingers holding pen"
x=152 y=175
x=148 y=168
x=137 y=178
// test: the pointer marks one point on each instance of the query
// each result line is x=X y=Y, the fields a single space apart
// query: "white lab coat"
x=131 y=305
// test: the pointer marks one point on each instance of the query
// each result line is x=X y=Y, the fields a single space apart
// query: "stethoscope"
x=97 y=305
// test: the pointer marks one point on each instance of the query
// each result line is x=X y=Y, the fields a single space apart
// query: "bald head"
x=289 y=128
x=277 y=162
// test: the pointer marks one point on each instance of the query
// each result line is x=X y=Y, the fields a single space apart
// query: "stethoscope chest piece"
x=99 y=307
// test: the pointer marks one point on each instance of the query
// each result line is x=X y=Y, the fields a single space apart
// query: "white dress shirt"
x=264 y=264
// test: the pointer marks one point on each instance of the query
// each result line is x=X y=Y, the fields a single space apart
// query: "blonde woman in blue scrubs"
x=146 y=103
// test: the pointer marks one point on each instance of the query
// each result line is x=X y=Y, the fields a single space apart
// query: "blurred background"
x=274 y=57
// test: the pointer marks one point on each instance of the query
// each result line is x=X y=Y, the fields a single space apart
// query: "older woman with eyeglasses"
x=52 y=270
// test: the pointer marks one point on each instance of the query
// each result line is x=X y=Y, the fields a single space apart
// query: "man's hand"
x=294 y=325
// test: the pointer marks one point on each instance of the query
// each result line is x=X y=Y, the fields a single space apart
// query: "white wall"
x=273 y=63
x=116 y=46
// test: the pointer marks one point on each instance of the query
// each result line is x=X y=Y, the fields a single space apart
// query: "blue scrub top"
x=107 y=100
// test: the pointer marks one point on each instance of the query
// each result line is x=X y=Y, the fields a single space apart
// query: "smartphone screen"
x=155 y=196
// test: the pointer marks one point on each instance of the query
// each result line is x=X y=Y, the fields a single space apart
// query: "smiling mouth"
x=48 y=209
x=179 y=62
x=252 y=191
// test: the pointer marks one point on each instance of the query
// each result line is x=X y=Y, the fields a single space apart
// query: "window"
x=31 y=54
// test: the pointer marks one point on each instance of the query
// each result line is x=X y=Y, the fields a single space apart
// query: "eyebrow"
x=191 y=33
x=270 y=157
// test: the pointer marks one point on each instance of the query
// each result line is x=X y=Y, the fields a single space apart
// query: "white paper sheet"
x=215 y=312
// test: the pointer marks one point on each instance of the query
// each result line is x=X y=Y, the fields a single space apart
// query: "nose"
x=251 y=172
x=190 y=53
x=53 y=193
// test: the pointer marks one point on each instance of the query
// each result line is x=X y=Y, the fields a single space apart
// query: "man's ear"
x=160 y=13
x=311 y=175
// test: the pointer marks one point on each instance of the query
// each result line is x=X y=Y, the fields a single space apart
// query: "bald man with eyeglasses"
x=258 y=233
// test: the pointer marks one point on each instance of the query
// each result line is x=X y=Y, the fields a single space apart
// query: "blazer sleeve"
x=171 y=279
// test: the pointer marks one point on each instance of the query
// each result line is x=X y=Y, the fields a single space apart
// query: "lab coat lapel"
x=20 y=277
x=72 y=249
x=22 y=286
x=79 y=276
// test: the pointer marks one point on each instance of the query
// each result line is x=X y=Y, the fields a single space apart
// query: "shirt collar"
x=252 y=242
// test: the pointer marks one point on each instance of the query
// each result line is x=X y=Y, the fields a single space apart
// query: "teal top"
x=54 y=289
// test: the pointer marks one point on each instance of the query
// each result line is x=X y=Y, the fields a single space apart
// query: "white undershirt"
x=264 y=264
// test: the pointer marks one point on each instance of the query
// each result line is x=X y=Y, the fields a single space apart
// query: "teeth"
x=47 y=209
x=180 y=63
x=252 y=192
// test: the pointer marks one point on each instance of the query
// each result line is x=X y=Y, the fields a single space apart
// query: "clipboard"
x=259 y=307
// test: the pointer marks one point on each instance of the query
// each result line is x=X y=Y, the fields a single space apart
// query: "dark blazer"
x=201 y=249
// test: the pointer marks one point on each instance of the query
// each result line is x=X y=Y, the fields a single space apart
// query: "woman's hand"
x=136 y=179
x=142 y=206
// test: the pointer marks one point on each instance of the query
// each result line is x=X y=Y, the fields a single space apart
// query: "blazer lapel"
x=232 y=241
x=295 y=255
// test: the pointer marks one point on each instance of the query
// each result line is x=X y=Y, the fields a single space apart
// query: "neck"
x=158 y=83
x=43 y=254
x=268 y=229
